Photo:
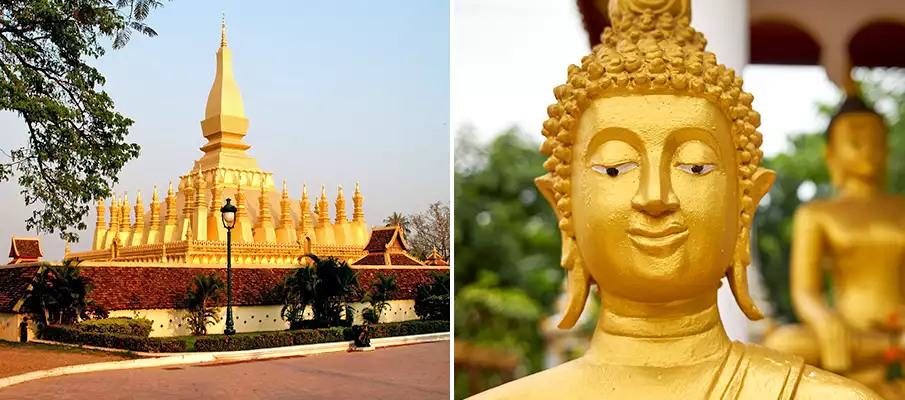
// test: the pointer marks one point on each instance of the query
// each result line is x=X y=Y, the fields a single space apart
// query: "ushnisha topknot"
x=652 y=49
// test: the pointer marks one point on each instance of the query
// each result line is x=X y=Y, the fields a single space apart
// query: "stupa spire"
x=223 y=30
x=340 y=206
x=224 y=98
x=224 y=123
x=358 y=213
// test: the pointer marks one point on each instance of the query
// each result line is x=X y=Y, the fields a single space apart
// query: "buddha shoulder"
x=766 y=369
x=819 y=384
x=544 y=385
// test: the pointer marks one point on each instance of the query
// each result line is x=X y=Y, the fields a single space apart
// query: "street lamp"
x=228 y=214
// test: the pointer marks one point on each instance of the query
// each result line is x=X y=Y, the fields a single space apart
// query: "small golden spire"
x=323 y=191
x=285 y=190
x=154 y=197
x=67 y=250
x=358 y=213
x=170 y=190
x=304 y=192
x=138 y=197
x=223 y=30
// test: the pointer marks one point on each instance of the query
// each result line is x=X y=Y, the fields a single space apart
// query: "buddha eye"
x=696 y=169
x=617 y=170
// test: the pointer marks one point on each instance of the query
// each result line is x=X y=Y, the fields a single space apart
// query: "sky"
x=510 y=54
x=336 y=92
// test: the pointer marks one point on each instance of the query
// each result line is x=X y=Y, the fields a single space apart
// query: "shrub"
x=432 y=299
x=314 y=336
x=73 y=335
x=120 y=326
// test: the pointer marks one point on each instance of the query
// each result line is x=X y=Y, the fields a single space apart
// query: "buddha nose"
x=655 y=196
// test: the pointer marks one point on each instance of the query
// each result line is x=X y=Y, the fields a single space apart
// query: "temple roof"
x=382 y=238
x=23 y=249
x=387 y=246
x=435 y=259
x=13 y=285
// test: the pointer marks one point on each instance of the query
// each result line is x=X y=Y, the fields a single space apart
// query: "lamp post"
x=228 y=214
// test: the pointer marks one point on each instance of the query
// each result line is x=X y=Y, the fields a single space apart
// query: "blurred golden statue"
x=861 y=231
x=654 y=175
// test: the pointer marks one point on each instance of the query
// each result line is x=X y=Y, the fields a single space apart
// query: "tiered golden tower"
x=271 y=227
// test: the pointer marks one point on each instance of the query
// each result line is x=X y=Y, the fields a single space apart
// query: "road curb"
x=165 y=360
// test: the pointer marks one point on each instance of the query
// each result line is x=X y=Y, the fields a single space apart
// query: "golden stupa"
x=185 y=228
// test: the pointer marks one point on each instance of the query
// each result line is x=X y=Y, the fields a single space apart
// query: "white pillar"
x=725 y=25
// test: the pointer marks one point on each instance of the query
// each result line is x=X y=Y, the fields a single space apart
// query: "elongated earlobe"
x=579 y=284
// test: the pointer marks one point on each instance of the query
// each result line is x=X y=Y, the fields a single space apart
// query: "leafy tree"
x=507 y=269
x=803 y=163
x=58 y=294
x=202 y=297
x=432 y=299
x=430 y=230
x=76 y=140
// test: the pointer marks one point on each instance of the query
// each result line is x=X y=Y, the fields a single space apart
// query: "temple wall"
x=172 y=322
x=9 y=327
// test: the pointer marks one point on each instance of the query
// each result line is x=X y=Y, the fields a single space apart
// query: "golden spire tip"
x=223 y=30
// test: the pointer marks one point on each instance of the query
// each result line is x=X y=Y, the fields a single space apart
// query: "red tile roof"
x=387 y=240
x=380 y=238
x=371 y=259
x=402 y=259
x=25 y=250
x=127 y=288
x=13 y=285
x=144 y=288
x=407 y=279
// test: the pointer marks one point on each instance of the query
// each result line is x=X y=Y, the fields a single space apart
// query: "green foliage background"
x=507 y=273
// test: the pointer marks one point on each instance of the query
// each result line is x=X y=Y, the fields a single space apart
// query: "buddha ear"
x=579 y=280
x=763 y=179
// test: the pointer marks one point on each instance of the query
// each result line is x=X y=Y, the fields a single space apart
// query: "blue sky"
x=337 y=92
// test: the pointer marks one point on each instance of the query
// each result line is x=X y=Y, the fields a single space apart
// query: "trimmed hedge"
x=119 y=325
x=74 y=335
x=313 y=336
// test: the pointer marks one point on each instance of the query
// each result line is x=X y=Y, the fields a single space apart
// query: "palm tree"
x=382 y=290
x=298 y=291
x=58 y=294
x=326 y=285
x=134 y=13
x=400 y=220
x=201 y=299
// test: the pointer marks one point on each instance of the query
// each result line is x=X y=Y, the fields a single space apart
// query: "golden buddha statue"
x=654 y=174
x=862 y=232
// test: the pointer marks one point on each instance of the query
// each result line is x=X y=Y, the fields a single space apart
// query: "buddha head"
x=856 y=143
x=654 y=164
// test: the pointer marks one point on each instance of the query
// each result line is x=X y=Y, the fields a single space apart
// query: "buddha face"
x=857 y=146
x=655 y=196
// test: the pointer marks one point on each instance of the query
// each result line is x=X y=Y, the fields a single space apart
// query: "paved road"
x=407 y=372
